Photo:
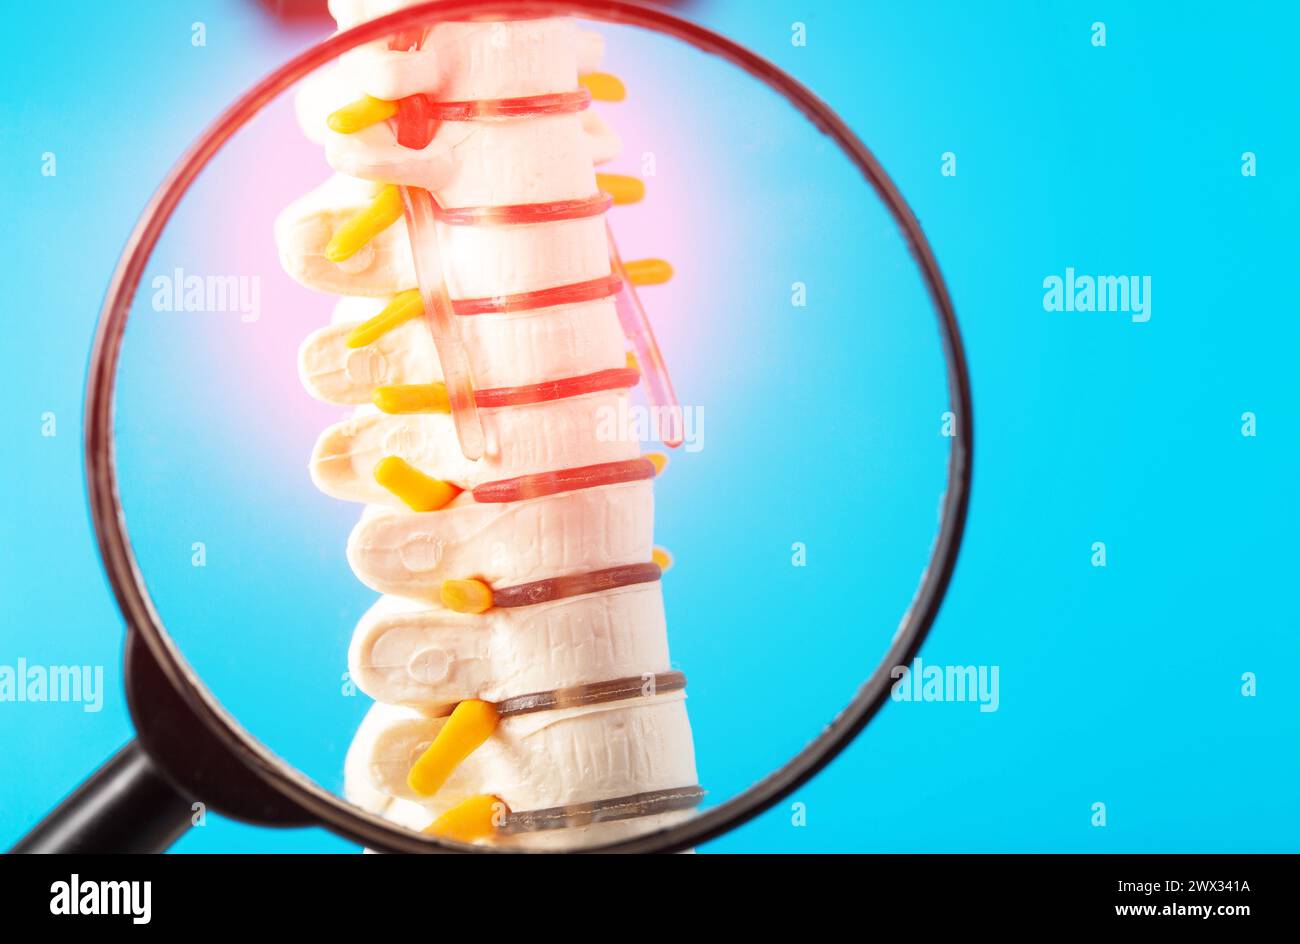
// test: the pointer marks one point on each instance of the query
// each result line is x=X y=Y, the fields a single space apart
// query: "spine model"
x=518 y=656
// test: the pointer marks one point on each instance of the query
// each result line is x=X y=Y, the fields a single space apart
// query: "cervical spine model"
x=518 y=656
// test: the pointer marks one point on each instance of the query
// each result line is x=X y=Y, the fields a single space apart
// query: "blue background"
x=1118 y=685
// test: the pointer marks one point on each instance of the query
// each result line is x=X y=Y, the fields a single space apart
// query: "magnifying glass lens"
x=521 y=500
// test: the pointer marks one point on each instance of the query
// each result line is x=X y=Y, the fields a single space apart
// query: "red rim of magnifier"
x=333 y=811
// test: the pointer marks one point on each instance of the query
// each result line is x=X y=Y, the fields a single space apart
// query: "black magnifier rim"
x=108 y=518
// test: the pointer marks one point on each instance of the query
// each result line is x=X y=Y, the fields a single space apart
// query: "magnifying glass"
x=639 y=527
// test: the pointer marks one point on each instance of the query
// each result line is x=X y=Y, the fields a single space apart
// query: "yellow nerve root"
x=412 y=398
x=361 y=114
x=470 y=725
x=385 y=210
x=404 y=307
x=419 y=491
x=648 y=271
x=603 y=86
x=662 y=558
x=622 y=188
x=658 y=460
x=466 y=596
x=474 y=819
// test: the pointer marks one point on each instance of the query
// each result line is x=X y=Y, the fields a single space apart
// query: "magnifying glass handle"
x=127 y=805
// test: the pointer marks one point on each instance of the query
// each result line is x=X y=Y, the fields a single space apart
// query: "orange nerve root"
x=470 y=724
x=477 y=818
x=420 y=492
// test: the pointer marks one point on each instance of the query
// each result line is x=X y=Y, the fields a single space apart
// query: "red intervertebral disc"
x=617 y=378
x=521 y=213
x=541 y=484
x=606 y=286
